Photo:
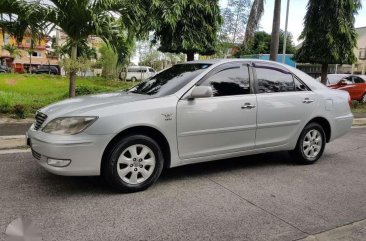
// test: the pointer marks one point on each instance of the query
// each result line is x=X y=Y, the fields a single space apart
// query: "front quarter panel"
x=158 y=113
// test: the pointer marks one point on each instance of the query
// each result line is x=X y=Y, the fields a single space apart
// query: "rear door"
x=284 y=105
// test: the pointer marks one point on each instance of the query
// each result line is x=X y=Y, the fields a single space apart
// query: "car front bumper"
x=84 y=151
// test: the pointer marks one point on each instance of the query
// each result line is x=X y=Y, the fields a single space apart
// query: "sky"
x=296 y=16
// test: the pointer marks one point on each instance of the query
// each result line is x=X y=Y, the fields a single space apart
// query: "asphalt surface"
x=10 y=129
x=262 y=197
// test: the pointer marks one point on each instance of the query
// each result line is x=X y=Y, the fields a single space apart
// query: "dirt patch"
x=11 y=82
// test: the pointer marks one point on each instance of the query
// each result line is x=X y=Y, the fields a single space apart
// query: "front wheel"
x=364 y=99
x=311 y=144
x=133 y=164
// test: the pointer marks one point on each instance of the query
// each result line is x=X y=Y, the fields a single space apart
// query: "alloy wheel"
x=312 y=144
x=136 y=164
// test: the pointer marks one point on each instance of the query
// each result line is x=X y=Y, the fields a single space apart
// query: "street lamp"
x=286 y=33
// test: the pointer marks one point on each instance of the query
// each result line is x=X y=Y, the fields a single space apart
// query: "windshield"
x=169 y=81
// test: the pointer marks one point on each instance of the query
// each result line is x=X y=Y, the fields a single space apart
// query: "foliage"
x=329 y=34
x=256 y=13
x=83 y=50
x=13 y=50
x=330 y=38
x=261 y=44
x=81 y=64
x=108 y=62
x=235 y=17
x=82 y=18
x=27 y=93
x=188 y=26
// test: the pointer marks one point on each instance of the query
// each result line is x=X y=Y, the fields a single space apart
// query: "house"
x=28 y=57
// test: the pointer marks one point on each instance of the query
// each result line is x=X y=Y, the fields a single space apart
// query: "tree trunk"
x=190 y=56
x=74 y=51
x=30 y=63
x=275 y=41
x=324 y=74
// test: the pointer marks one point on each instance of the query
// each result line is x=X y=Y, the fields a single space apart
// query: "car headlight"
x=69 y=125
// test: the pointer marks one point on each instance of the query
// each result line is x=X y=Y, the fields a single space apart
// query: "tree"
x=82 y=18
x=275 y=41
x=108 y=61
x=235 y=17
x=188 y=27
x=255 y=15
x=13 y=52
x=329 y=34
x=261 y=44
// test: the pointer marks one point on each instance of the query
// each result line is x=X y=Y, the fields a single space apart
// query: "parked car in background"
x=355 y=85
x=135 y=73
x=334 y=78
x=4 y=69
x=193 y=112
x=46 y=69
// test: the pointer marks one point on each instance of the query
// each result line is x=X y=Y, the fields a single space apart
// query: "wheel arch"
x=142 y=130
x=325 y=124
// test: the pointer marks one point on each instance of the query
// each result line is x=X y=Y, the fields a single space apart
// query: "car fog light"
x=58 y=162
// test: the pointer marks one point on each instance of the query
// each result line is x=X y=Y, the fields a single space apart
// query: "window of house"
x=233 y=80
x=35 y=54
x=6 y=39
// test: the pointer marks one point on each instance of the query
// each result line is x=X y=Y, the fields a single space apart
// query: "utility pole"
x=286 y=33
x=276 y=30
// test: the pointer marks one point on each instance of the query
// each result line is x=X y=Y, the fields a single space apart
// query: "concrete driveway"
x=263 y=197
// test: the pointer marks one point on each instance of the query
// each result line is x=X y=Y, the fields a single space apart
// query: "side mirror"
x=201 y=92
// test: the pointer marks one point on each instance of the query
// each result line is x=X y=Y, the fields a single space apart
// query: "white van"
x=135 y=73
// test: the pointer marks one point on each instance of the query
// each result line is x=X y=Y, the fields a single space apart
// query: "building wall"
x=40 y=49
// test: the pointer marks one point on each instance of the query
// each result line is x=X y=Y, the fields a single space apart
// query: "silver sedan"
x=192 y=112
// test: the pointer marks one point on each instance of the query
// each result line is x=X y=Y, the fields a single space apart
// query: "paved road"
x=263 y=197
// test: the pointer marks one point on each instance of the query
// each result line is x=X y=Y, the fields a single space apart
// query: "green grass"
x=22 y=95
x=358 y=107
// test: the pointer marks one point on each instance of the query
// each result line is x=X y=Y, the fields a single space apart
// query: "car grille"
x=40 y=118
x=36 y=155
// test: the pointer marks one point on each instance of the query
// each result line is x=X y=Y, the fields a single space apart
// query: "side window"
x=349 y=80
x=272 y=80
x=299 y=86
x=230 y=81
x=358 y=80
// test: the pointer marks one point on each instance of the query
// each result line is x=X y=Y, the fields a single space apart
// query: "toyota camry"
x=193 y=112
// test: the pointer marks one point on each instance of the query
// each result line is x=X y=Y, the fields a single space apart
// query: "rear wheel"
x=364 y=98
x=133 y=164
x=311 y=144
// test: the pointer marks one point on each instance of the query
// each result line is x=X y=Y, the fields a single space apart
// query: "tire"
x=133 y=164
x=133 y=79
x=309 y=152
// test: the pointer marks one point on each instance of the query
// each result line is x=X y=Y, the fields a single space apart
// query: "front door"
x=223 y=123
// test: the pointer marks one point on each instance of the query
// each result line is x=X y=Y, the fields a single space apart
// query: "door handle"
x=307 y=101
x=248 y=106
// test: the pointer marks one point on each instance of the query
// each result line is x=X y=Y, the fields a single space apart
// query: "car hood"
x=83 y=104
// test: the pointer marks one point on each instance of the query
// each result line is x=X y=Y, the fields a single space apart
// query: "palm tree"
x=13 y=52
x=82 y=18
x=275 y=41
x=256 y=13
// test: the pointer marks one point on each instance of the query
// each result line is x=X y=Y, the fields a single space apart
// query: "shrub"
x=19 y=111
